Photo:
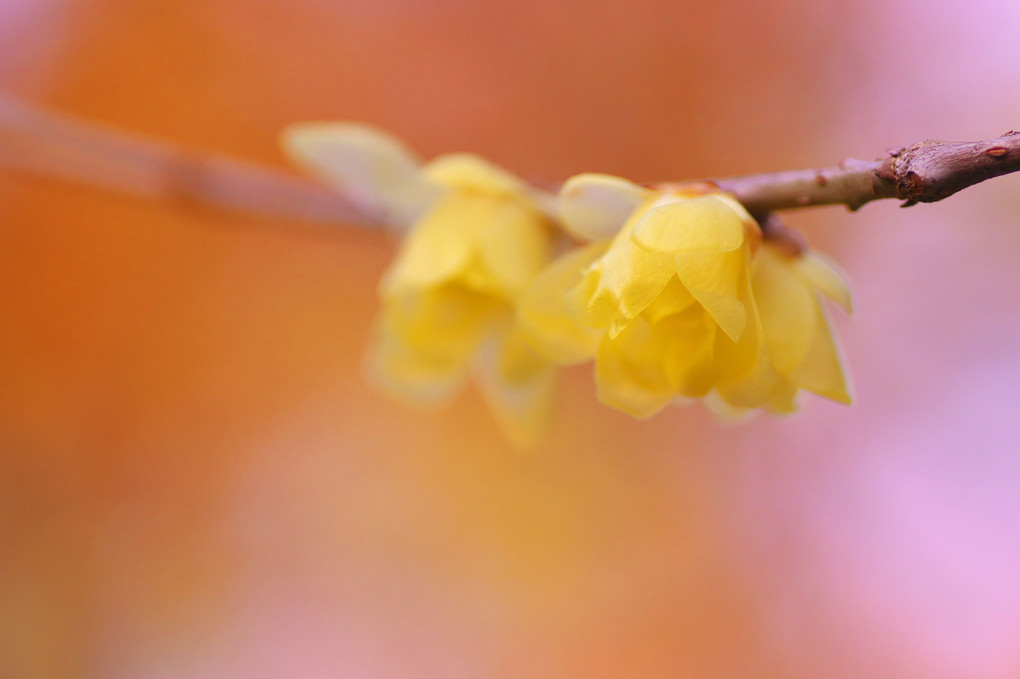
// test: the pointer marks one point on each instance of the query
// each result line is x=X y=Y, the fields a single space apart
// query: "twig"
x=49 y=144
x=40 y=142
x=925 y=172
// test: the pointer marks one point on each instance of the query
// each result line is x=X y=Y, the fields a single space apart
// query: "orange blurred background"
x=195 y=481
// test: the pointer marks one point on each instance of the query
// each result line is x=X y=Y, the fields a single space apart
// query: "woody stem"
x=41 y=142
x=924 y=172
x=49 y=144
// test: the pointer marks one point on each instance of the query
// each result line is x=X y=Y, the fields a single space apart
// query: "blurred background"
x=195 y=481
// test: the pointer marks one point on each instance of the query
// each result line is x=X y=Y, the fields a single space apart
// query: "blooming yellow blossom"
x=666 y=301
x=475 y=239
x=665 y=307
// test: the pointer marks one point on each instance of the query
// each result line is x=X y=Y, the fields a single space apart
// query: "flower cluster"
x=675 y=296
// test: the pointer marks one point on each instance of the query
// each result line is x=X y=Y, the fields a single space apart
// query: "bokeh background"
x=195 y=481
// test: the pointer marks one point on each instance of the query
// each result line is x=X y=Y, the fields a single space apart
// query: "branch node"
x=887 y=170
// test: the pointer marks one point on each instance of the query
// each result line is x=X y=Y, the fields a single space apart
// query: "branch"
x=925 y=172
x=40 y=142
x=44 y=143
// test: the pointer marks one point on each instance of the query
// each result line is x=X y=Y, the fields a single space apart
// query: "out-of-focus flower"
x=475 y=239
x=665 y=300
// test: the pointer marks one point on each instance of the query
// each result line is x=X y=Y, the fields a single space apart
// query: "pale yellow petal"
x=518 y=384
x=825 y=277
x=473 y=173
x=411 y=377
x=439 y=247
x=515 y=243
x=786 y=306
x=594 y=207
x=370 y=167
x=703 y=224
x=755 y=387
x=476 y=276
x=580 y=304
x=747 y=377
x=784 y=400
x=629 y=291
x=629 y=278
x=725 y=412
x=674 y=299
x=629 y=374
x=688 y=354
x=425 y=340
x=821 y=371
x=713 y=278
x=542 y=312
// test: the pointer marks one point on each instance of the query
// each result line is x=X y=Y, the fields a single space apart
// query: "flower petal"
x=473 y=173
x=542 y=314
x=825 y=277
x=594 y=207
x=688 y=360
x=629 y=374
x=413 y=378
x=713 y=279
x=726 y=412
x=703 y=224
x=821 y=371
x=673 y=299
x=784 y=400
x=515 y=243
x=786 y=306
x=746 y=376
x=580 y=304
x=425 y=341
x=370 y=167
x=629 y=278
x=440 y=246
x=518 y=386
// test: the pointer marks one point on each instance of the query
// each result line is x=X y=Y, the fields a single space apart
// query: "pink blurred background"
x=195 y=481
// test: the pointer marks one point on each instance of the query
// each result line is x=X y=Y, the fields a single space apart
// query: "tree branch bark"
x=36 y=141
x=41 y=142
x=924 y=172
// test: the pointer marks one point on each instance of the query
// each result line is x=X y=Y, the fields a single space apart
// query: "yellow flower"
x=676 y=298
x=475 y=240
x=665 y=307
